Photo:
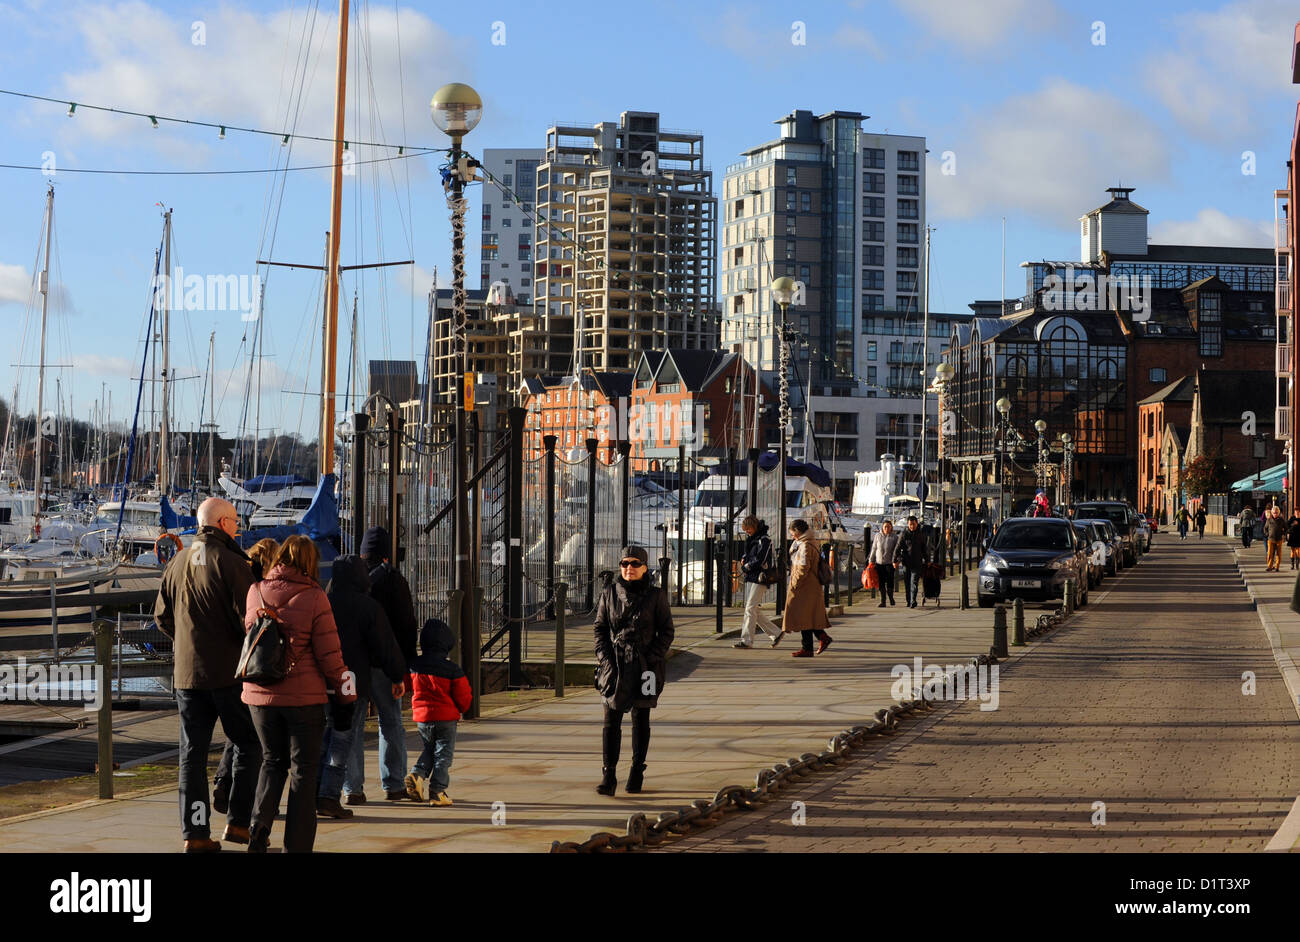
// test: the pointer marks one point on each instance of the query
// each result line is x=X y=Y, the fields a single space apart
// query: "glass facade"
x=839 y=246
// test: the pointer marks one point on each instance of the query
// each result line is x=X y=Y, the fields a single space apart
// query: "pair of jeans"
x=612 y=737
x=290 y=739
x=886 y=571
x=336 y=752
x=1200 y=531
x=806 y=637
x=1182 y=531
x=754 y=595
x=439 y=748
x=911 y=582
x=199 y=711
x=392 y=740
x=1246 y=536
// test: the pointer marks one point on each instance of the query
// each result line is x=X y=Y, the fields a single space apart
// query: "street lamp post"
x=1043 y=467
x=1004 y=410
x=783 y=292
x=1067 y=471
x=456 y=109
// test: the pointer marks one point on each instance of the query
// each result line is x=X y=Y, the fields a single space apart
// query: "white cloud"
x=1213 y=227
x=1221 y=61
x=985 y=24
x=1048 y=154
x=855 y=37
x=97 y=364
x=15 y=284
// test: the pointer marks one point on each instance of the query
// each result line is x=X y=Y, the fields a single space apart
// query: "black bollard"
x=1018 y=623
x=1000 y=632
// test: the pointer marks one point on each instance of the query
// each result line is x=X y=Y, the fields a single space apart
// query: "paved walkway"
x=1135 y=708
x=725 y=713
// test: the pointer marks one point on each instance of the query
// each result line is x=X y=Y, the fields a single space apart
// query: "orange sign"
x=469 y=392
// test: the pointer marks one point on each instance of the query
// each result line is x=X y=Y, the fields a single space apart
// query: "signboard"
x=1258 y=495
x=983 y=490
x=469 y=392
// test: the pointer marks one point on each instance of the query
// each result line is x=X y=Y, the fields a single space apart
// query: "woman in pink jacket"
x=290 y=715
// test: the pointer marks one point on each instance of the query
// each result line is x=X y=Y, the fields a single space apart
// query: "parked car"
x=1143 y=534
x=1122 y=517
x=1093 y=549
x=1151 y=521
x=1032 y=558
x=1113 y=555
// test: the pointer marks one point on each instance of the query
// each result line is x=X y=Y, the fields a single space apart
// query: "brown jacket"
x=805 y=607
x=314 y=649
x=201 y=606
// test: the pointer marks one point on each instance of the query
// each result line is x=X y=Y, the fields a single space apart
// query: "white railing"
x=1284 y=359
x=1282 y=423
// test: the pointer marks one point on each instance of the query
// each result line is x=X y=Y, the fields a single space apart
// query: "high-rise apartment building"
x=625 y=247
x=508 y=226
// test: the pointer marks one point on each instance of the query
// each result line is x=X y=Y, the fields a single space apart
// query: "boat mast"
x=211 y=424
x=330 y=345
x=164 y=450
x=40 y=376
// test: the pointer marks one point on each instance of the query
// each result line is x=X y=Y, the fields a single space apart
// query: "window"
x=525 y=281
x=805 y=273
x=907 y=258
x=789 y=225
x=508 y=179
x=907 y=185
x=871 y=375
x=1210 y=325
x=805 y=202
x=740 y=257
x=873 y=206
x=873 y=158
x=907 y=232
x=873 y=182
x=789 y=250
x=873 y=255
x=909 y=160
x=873 y=279
x=873 y=302
x=907 y=281
x=905 y=302
x=871 y=349
x=1158 y=375
x=907 y=209
x=874 y=232
x=790 y=176
x=506 y=223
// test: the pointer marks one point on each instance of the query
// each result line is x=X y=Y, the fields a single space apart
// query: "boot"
x=635 y=779
x=609 y=781
x=640 y=746
x=611 y=741
x=259 y=840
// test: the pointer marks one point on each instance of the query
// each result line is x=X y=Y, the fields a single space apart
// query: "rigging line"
x=213 y=173
x=212 y=124
x=22 y=347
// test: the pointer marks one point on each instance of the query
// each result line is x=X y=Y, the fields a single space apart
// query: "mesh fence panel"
x=428 y=564
x=570 y=529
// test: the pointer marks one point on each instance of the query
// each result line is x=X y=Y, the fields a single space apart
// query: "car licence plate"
x=1024 y=583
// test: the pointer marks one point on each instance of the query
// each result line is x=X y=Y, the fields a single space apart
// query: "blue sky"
x=1042 y=105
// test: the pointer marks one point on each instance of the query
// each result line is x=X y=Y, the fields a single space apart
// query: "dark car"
x=1094 y=542
x=1032 y=558
x=1113 y=560
x=1122 y=517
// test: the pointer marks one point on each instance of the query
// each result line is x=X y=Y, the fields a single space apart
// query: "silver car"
x=1113 y=545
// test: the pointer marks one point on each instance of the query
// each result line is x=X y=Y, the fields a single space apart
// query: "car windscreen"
x=1033 y=536
x=1116 y=514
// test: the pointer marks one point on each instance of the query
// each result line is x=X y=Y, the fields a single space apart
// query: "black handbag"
x=264 y=658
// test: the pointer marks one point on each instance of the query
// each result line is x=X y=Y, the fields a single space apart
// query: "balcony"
x=1282 y=423
x=1284 y=359
x=904 y=359
x=1283 y=292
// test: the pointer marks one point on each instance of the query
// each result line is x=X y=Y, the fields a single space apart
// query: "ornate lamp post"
x=783 y=289
x=1004 y=426
x=1067 y=472
x=1043 y=467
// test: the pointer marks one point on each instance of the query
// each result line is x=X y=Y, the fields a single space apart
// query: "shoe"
x=777 y=639
x=330 y=808
x=221 y=796
x=237 y=835
x=202 y=845
x=802 y=653
x=635 y=778
x=608 y=783
x=396 y=795
x=825 y=643
x=260 y=841
x=741 y=644
x=355 y=798
x=891 y=601
x=441 y=800
x=412 y=786
x=882 y=604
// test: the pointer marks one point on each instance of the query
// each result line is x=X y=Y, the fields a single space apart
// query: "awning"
x=1272 y=478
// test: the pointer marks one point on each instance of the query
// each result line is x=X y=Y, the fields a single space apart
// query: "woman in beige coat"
x=805 y=606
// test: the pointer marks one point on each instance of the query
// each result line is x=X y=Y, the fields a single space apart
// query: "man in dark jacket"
x=201 y=607
x=390 y=589
x=757 y=559
x=912 y=554
x=370 y=651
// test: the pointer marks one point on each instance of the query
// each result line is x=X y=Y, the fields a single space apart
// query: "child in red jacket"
x=440 y=694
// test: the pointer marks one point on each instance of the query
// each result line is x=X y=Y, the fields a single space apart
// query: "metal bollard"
x=965 y=590
x=104 y=721
x=1018 y=623
x=561 y=589
x=1069 y=596
x=1000 y=632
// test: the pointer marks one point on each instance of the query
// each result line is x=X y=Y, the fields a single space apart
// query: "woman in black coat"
x=1293 y=540
x=634 y=629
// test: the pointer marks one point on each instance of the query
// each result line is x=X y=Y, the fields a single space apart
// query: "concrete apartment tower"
x=625 y=253
x=508 y=229
x=843 y=212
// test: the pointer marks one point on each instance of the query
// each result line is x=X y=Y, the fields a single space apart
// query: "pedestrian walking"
x=633 y=630
x=200 y=606
x=1293 y=539
x=805 y=606
x=391 y=590
x=1200 y=522
x=1275 y=531
x=260 y=556
x=883 y=549
x=913 y=553
x=369 y=650
x=1183 y=518
x=289 y=715
x=440 y=695
x=757 y=565
x=1247 y=518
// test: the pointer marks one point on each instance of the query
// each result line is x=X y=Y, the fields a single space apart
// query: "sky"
x=1032 y=107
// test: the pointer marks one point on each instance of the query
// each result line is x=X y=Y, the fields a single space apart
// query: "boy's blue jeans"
x=439 y=746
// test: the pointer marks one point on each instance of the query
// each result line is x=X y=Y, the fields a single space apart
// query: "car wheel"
x=985 y=602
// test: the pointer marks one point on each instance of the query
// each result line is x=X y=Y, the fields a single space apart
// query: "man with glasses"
x=201 y=607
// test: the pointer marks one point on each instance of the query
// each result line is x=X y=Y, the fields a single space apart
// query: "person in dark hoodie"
x=634 y=630
x=440 y=693
x=370 y=651
x=390 y=589
x=758 y=560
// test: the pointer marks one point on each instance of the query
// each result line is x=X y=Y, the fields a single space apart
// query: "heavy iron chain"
x=701 y=813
